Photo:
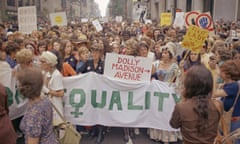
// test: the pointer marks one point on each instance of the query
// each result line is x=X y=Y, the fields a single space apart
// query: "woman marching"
x=37 y=121
x=196 y=115
x=230 y=73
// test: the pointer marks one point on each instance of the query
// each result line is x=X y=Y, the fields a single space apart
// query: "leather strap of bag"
x=55 y=108
x=221 y=121
x=58 y=112
x=218 y=106
x=238 y=93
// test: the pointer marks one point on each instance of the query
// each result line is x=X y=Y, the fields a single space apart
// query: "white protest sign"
x=27 y=19
x=59 y=19
x=119 y=18
x=105 y=19
x=179 y=20
x=84 y=20
x=97 y=25
x=128 y=68
x=148 y=21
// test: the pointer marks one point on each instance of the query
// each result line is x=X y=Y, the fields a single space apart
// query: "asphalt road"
x=114 y=136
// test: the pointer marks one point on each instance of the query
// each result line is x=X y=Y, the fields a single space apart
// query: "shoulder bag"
x=71 y=136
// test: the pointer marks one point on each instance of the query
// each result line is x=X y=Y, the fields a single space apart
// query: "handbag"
x=71 y=136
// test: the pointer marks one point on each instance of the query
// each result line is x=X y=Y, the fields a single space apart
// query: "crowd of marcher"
x=79 y=48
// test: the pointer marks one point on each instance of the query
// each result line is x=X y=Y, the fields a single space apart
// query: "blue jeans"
x=235 y=125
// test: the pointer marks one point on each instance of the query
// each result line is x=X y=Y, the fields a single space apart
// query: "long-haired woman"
x=196 y=115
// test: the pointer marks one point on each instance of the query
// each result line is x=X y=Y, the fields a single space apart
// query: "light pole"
x=126 y=10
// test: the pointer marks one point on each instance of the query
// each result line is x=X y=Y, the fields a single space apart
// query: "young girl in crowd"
x=165 y=70
x=67 y=54
x=192 y=59
x=83 y=57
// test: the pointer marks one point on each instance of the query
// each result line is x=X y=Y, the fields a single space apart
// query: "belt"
x=234 y=119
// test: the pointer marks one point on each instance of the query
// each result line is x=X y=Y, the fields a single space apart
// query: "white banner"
x=17 y=104
x=128 y=68
x=96 y=99
x=27 y=19
x=179 y=20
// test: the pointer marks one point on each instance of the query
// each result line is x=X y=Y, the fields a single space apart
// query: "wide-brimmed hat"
x=79 y=40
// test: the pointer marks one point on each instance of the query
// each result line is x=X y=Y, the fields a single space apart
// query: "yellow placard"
x=166 y=19
x=194 y=38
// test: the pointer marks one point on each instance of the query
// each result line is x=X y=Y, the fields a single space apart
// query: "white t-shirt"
x=56 y=83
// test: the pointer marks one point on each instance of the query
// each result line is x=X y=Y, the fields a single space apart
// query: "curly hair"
x=224 y=54
x=231 y=68
x=132 y=45
x=24 y=56
x=31 y=82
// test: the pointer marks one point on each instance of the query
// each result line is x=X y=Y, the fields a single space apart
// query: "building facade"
x=8 y=8
x=227 y=10
x=74 y=8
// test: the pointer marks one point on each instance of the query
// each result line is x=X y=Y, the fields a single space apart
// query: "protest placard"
x=27 y=19
x=179 y=20
x=59 y=19
x=204 y=20
x=166 y=19
x=128 y=68
x=119 y=19
x=97 y=25
x=194 y=38
x=190 y=18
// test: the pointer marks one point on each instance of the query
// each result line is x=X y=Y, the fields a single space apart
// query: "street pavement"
x=114 y=136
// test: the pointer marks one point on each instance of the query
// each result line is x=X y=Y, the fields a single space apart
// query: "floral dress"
x=165 y=75
x=37 y=122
